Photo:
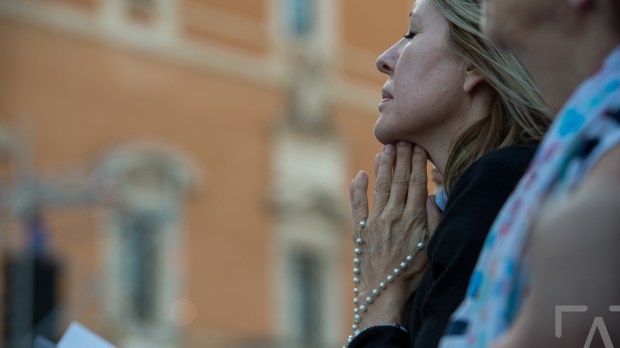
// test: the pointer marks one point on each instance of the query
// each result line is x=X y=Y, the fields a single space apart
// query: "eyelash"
x=409 y=35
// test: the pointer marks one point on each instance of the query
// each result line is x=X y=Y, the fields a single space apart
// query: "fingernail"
x=402 y=143
x=417 y=149
x=359 y=175
x=389 y=148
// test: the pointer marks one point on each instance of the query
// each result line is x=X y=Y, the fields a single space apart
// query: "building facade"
x=191 y=161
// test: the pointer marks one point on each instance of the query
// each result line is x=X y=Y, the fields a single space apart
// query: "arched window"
x=143 y=240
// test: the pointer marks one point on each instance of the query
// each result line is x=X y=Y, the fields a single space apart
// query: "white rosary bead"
x=363 y=308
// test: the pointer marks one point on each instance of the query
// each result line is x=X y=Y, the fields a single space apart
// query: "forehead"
x=423 y=9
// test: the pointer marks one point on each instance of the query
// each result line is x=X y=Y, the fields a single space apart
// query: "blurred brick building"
x=191 y=160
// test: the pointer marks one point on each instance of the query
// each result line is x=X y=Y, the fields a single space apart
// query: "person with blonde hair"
x=547 y=276
x=470 y=108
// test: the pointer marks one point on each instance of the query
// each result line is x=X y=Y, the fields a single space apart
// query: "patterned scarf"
x=586 y=127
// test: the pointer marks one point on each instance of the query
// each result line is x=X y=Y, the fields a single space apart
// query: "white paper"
x=77 y=336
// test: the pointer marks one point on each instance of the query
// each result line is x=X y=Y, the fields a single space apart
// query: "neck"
x=438 y=153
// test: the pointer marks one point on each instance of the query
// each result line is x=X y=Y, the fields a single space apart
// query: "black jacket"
x=473 y=204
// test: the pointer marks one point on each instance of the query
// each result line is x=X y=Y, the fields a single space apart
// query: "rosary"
x=361 y=308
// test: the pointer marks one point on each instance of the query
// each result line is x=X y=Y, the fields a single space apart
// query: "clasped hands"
x=402 y=215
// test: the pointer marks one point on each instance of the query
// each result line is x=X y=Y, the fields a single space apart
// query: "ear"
x=472 y=79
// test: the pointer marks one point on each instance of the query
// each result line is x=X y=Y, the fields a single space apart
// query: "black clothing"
x=473 y=204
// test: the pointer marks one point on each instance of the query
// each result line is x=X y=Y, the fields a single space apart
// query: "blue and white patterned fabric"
x=586 y=128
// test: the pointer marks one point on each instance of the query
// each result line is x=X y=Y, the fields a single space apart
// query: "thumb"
x=433 y=215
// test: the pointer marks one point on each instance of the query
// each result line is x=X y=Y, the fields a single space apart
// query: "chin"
x=382 y=135
x=391 y=133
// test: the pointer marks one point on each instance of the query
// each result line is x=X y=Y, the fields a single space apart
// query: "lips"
x=386 y=96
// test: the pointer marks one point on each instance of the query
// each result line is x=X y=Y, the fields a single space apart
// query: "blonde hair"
x=518 y=114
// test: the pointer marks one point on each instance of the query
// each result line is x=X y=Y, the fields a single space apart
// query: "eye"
x=409 y=35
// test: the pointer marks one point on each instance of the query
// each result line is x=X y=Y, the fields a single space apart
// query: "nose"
x=387 y=60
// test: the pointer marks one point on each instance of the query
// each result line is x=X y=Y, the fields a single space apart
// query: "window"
x=300 y=14
x=307 y=285
x=142 y=241
x=139 y=233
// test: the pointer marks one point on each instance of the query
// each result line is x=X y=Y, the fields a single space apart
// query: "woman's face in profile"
x=424 y=91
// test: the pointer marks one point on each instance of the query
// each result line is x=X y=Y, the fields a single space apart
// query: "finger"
x=383 y=183
x=433 y=215
x=377 y=159
x=418 y=192
x=359 y=197
x=400 y=177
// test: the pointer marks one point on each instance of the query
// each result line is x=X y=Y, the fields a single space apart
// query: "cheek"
x=412 y=74
x=421 y=78
x=427 y=90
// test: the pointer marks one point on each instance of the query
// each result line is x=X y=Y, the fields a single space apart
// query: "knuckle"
x=388 y=217
x=384 y=219
x=386 y=161
x=418 y=161
x=419 y=180
x=418 y=215
x=382 y=186
x=358 y=202
x=400 y=180
x=404 y=153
